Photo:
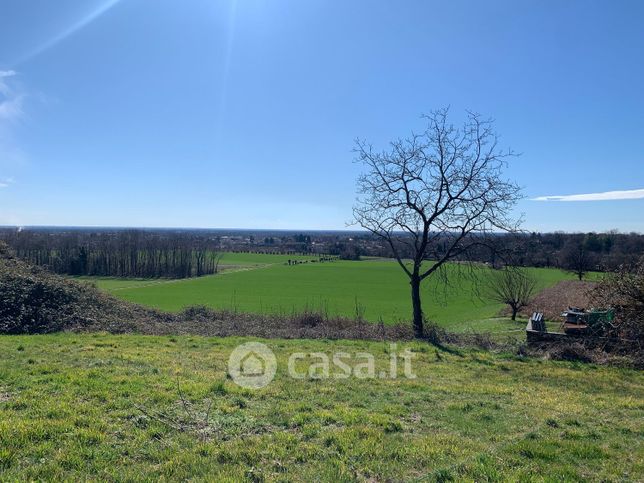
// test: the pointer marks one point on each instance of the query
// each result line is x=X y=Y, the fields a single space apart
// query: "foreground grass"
x=375 y=289
x=74 y=407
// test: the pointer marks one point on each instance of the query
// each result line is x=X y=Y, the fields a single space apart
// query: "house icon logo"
x=252 y=365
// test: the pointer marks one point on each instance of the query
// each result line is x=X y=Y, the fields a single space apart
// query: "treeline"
x=188 y=253
x=576 y=252
x=123 y=253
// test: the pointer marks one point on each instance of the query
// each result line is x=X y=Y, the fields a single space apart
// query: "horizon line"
x=285 y=230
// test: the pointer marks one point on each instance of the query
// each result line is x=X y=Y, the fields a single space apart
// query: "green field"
x=107 y=408
x=376 y=288
x=254 y=259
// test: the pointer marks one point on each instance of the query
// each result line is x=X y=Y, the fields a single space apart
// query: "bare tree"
x=429 y=196
x=512 y=286
x=577 y=259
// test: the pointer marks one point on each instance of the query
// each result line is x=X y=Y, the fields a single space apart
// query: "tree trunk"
x=417 y=310
x=514 y=313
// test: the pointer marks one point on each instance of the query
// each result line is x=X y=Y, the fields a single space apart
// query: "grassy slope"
x=380 y=287
x=68 y=411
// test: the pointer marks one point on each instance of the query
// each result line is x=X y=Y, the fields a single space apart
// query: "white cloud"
x=605 y=196
x=7 y=73
x=5 y=91
x=10 y=99
x=6 y=182
x=11 y=112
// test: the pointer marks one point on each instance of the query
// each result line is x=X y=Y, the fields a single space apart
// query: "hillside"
x=110 y=408
x=33 y=300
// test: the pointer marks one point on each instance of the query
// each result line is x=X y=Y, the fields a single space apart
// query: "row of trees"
x=132 y=253
x=577 y=252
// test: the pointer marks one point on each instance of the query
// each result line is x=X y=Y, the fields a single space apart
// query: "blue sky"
x=224 y=113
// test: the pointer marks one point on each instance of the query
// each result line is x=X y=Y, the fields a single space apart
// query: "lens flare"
x=89 y=18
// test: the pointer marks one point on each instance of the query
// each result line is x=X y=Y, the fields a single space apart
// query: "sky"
x=243 y=113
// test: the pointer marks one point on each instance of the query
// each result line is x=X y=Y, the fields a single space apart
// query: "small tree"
x=513 y=287
x=430 y=195
x=577 y=259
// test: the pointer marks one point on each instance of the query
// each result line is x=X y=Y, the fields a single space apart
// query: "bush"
x=571 y=352
x=623 y=290
x=28 y=304
x=33 y=300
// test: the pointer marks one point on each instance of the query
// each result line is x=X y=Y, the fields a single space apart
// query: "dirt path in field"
x=552 y=301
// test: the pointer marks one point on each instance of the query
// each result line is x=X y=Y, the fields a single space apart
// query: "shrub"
x=33 y=300
x=571 y=352
x=623 y=290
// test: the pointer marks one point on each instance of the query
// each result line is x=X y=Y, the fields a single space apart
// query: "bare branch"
x=430 y=195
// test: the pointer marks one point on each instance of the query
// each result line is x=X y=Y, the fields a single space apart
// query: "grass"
x=230 y=261
x=255 y=259
x=375 y=288
x=73 y=407
x=501 y=327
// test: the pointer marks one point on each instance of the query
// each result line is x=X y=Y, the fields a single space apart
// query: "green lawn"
x=379 y=288
x=107 y=408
